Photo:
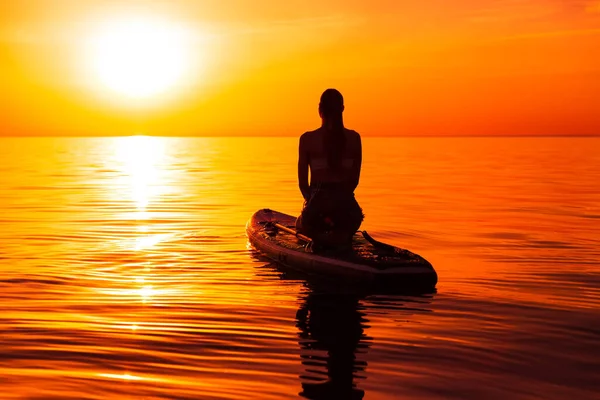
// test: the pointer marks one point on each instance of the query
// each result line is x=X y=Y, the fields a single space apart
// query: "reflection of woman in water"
x=331 y=322
x=331 y=331
x=333 y=154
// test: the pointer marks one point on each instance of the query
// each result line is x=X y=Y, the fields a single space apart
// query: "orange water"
x=125 y=272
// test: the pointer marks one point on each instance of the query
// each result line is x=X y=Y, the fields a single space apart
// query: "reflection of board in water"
x=368 y=260
x=332 y=324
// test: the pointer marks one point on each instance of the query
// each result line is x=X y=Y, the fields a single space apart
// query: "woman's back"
x=348 y=166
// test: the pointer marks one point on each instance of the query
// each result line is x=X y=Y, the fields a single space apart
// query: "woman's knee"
x=299 y=224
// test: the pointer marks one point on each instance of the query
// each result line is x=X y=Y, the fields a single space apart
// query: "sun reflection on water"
x=148 y=241
x=146 y=292
x=140 y=291
x=125 y=377
x=140 y=163
x=140 y=159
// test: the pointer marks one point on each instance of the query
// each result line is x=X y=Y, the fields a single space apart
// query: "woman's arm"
x=356 y=166
x=303 y=168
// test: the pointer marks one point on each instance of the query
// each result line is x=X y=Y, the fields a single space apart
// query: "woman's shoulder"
x=312 y=133
x=352 y=134
x=309 y=135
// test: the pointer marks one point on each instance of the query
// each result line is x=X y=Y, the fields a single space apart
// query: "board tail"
x=377 y=243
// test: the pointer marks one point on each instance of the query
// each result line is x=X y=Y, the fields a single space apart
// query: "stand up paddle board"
x=273 y=234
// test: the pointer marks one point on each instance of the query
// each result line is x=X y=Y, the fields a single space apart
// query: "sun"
x=140 y=57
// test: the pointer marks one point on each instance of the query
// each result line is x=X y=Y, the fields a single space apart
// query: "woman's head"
x=331 y=104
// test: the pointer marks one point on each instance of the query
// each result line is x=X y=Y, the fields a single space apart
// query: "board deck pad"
x=363 y=252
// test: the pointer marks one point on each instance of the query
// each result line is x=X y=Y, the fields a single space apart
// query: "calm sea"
x=125 y=272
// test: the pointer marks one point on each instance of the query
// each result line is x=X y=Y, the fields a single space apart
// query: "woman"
x=333 y=154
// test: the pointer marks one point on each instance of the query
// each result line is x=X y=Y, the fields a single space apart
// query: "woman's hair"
x=331 y=108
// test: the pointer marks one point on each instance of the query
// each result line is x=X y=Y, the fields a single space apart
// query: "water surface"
x=125 y=272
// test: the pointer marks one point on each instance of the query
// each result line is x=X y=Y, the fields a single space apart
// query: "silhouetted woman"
x=333 y=154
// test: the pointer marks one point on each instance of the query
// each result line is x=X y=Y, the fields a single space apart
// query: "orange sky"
x=466 y=67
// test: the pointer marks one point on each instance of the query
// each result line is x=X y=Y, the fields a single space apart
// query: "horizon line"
x=296 y=136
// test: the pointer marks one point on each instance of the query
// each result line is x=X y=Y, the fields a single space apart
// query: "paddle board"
x=369 y=260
